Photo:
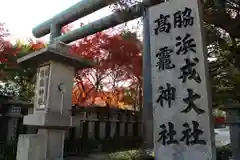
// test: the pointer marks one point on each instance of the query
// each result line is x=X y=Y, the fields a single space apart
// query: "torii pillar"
x=52 y=102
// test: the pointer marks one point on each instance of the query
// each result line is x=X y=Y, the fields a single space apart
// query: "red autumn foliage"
x=118 y=60
x=21 y=49
x=37 y=45
x=10 y=52
x=6 y=50
x=5 y=45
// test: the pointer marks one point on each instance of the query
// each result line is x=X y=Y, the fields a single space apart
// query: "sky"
x=21 y=16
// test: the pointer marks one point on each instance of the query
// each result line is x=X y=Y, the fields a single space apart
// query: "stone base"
x=55 y=143
x=48 y=144
x=31 y=147
x=47 y=120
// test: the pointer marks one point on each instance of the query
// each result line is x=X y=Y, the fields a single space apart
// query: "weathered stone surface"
x=113 y=129
x=102 y=131
x=31 y=147
x=58 y=52
x=47 y=120
x=53 y=100
x=55 y=143
x=170 y=93
x=12 y=128
x=91 y=129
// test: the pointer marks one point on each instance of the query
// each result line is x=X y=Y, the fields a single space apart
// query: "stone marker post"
x=52 y=104
x=181 y=102
x=233 y=120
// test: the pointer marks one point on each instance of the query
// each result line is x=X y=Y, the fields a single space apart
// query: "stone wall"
x=91 y=122
x=104 y=123
x=100 y=123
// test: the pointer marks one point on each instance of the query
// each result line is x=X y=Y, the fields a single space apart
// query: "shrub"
x=224 y=153
x=10 y=150
x=131 y=155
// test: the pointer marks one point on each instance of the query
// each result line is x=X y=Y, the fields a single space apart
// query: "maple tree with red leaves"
x=118 y=60
x=5 y=48
x=10 y=52
x=18 y=81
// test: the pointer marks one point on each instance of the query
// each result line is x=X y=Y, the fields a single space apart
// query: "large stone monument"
x=52 y=102
x=181 y=102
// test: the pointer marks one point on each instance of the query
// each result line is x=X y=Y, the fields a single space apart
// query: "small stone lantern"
x=52 y=101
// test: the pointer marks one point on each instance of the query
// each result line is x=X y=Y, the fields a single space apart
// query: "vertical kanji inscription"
x=190 y=101
x=191 y=135
x=188 y=71
x=185 y=44
x=167 y=135
x=166 y=94
x=183 y=18
x=162 y=24
x=164 y=59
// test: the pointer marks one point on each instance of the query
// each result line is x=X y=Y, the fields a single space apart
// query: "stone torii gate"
x=52 y=117
x=53 y=88
x=85 y=7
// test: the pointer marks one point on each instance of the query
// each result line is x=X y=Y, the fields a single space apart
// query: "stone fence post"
x=233 y=120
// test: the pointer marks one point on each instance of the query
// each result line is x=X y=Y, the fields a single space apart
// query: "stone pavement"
x=90 y=157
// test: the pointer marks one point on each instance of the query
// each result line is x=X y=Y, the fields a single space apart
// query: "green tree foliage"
x=224 y=47
x=222 y=23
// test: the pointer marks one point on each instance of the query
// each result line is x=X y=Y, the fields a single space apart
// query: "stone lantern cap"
x=56 y=52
